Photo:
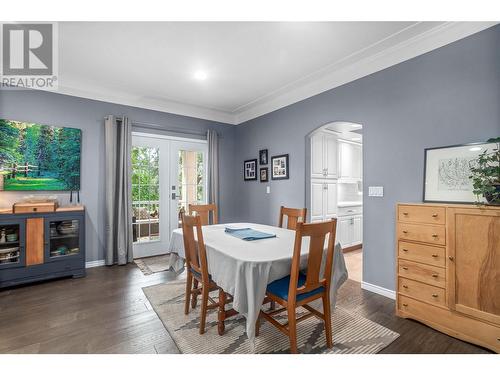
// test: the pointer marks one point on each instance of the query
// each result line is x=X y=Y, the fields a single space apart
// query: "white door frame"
x=167 y=145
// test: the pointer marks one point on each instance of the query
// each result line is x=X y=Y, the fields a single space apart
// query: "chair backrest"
x=293 y=214
x=317 y=233
x=203 y=211
x=196 y=254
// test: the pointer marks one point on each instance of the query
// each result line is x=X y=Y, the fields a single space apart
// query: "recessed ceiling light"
x=475 y=149
x=200 y=75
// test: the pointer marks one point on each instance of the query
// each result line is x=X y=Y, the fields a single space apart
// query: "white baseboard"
x=379 y=290
x=95 y=263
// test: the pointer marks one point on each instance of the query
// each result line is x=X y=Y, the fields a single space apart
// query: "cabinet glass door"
x=63 y=238
x=11 y=245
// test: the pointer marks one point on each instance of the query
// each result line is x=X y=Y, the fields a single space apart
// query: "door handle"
x=175 y=196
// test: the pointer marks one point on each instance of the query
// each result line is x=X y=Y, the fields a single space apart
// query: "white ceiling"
x=253 y=67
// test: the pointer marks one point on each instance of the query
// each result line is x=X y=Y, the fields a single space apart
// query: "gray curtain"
x=213 y=167
x=118 y=200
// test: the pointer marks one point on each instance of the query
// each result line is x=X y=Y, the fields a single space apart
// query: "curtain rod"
x=169 y=129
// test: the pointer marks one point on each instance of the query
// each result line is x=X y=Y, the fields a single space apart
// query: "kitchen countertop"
x=349 y=203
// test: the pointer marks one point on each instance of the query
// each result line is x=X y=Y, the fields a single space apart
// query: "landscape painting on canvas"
x=39 y=157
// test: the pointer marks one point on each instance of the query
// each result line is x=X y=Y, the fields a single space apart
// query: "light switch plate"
x=375 y=191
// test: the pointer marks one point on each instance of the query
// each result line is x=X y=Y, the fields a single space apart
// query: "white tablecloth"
x=244 y=268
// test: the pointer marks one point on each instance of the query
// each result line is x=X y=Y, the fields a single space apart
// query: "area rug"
x=154 y=264
x=352 y=333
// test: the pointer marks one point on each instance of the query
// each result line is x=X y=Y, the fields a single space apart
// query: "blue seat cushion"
x=199 y=274
x=280 y=288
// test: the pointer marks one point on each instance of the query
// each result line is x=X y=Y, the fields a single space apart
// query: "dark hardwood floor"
x=107 y=312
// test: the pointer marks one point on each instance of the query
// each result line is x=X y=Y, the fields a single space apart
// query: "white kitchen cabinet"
x=350 y=161
x=323 y=199
x=324 y=154
x=350 y=230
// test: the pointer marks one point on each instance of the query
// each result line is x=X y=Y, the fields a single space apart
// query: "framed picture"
x=263 y=157
x=264 y=174
x=250 y=169
x=447 y=171
x=280 y=167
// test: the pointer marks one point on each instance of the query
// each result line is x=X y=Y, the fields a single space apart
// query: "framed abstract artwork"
x=250 y=170
x=447 y=172
x=280 y=168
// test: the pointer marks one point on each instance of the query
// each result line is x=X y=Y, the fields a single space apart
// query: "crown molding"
x=427 y=41
x=119 y=97
x=372 y=59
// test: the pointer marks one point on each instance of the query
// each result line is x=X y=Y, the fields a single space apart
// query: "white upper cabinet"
x=350 y=161
x=324 y=155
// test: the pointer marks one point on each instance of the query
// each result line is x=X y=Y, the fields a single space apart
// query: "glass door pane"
x=64 y=238
x=145 y=194
x=10 y=246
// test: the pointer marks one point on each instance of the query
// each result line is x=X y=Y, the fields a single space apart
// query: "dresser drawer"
x=431 y=234
x=422 y=214
x=422 y=272
x=457 y=325
x=423 y=292
x=433 y=255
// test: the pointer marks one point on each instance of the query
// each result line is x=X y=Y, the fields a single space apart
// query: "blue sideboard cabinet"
x=38 y=246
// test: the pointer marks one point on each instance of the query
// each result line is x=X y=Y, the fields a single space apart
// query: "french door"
x=168 y=174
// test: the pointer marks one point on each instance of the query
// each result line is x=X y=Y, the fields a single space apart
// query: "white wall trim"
x=407 y=44
x=378 y=289
x=95 y=263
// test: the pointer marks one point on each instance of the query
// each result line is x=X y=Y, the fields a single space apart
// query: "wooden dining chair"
x=199 y=281
x=203 y=211
x=300 y=288
x=294 y=215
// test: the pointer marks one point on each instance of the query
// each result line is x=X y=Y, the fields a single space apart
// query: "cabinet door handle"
x=434 y=255
x=405 y=268
x=434 y=295
x=435 y=275
x=451 y=258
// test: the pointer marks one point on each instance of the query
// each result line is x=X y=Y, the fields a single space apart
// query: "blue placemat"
x=248 y=234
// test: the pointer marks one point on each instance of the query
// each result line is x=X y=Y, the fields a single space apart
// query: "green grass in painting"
x=34 y=183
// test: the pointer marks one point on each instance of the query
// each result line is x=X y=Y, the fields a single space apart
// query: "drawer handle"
x=451 y=258
x=405 y=305
x=405 y=286
x=435 y=235
x=405 y=213
x=434 y=295
x=405 y=250
x=435 y=275
x=434 y=255
x=434 y=215
x=405 y=231
x=405 y=268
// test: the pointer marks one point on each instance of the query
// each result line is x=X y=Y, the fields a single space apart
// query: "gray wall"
x=448 y=96
x=88 y=115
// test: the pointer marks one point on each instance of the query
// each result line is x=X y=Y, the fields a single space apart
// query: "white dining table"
x=245 y=268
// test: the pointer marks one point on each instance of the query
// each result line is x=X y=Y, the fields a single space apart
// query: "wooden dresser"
x=448 y=269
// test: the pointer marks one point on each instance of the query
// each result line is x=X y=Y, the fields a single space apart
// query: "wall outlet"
x=268 y=189
x=375 y=191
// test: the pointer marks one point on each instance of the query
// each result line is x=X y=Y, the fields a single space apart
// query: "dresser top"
x=451 y=205
x=8 y=210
